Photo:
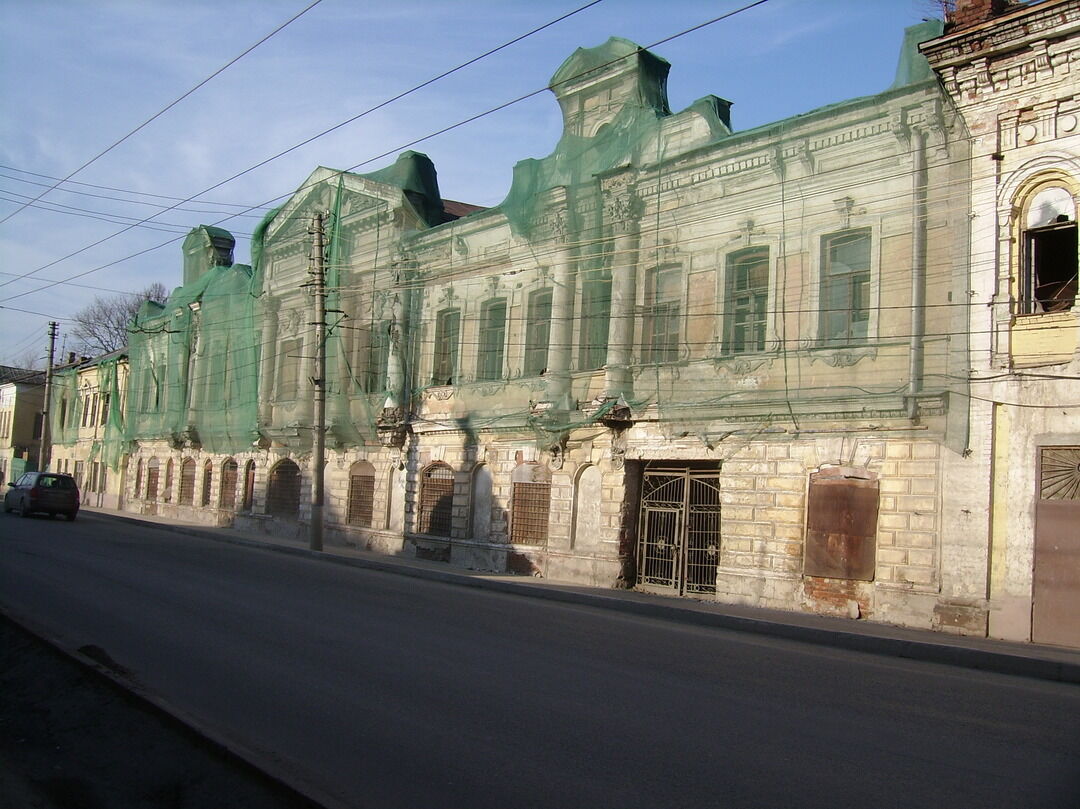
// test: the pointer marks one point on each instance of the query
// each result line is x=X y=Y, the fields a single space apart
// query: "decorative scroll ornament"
x=843 y=357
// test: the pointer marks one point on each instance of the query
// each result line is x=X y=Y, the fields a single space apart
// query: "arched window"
x=587 y=518
x=153 y=473
x=138 y=478
x=436 y=500
x=249 y=486
x=283 y=491
x=187 y=482
x=207 y=481
x=166 y=493
x=530 y=502
x=1049 y=259
x=227 y=498
x=361 y=494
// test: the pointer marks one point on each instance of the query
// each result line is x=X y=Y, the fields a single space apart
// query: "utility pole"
x=318 y=273
x=45 y=448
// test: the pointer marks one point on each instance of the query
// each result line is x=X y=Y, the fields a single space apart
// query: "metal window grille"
x=187 y=482
x=529 y=507
x=153 y=471
x=207 y=482
x=283 y=491
x=436 y=501
x=227 y=499
x=361 y=500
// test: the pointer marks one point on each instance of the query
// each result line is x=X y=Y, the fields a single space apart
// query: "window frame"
x=491 y=346
x=845 y=298
x=662 y=321
x=537 y=331
x=445 y=357
x=758 y=295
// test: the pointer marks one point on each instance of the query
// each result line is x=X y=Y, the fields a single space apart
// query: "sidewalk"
x=1004 y=657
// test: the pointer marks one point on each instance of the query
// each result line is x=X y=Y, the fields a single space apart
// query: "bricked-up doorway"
x=679 y=532
x=841 y=524
x=1055 y=612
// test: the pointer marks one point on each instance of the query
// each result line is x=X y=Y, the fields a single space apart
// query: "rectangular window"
x=538 y=332
x=289 y=370
x=489 y=363
x=746 y=299
x=104 y=409
x=447 y=338
x=595 y=315
x=845 y=286
x=1050 y=269
x=661 y=326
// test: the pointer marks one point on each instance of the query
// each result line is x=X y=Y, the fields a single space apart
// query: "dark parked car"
x=50 y=492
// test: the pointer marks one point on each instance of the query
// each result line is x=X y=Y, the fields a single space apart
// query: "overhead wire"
x=168 y=107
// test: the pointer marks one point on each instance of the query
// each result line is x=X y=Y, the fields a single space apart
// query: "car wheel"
x=70 y=516
x=24 y=509
x=7 y=508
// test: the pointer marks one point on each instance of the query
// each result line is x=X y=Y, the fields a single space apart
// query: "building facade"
x=1013 y=72
x=697 y=361
x=22 y=394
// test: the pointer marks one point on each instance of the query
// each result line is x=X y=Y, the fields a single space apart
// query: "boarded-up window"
x=227 y=498
x=530 y=502
x=436 y=500
x=283 y=491
x=207 y=482
x=841 y=524
x=361 y=494
x=187 y=482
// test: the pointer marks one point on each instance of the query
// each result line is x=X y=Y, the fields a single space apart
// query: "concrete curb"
x=929 y=651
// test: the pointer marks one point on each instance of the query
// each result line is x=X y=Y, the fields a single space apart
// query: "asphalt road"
x=380 y=690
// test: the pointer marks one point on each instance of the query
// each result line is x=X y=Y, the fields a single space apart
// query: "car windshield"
x=55 y=482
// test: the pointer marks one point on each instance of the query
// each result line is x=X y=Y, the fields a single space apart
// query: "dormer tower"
x=204 y=247
x=595 y=84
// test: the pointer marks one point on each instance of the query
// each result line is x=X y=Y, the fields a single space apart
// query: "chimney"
x=969 y=13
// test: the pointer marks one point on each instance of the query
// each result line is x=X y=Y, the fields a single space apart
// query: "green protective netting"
x=816 y=291
x=751 y=281
x=76 y=388
x=194 y=364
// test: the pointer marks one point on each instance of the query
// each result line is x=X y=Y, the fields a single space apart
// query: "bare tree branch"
x=101 y=327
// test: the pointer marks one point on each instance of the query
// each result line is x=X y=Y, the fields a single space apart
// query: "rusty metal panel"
x=841 y=527
x=1055 y=612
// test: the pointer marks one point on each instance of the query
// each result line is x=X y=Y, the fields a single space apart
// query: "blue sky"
x=78 y=75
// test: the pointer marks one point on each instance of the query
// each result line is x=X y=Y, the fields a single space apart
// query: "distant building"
x=21 y=398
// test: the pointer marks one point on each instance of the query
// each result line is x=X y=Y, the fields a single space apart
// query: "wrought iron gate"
x=679 y=534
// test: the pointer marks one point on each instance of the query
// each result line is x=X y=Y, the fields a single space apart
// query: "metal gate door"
x=679 y=535
x=1055 y=613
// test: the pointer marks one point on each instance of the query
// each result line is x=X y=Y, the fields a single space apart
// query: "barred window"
x=361 y=500
x=283 y=491
x=530 y=503
x=187 y=482
x=436 y=500
x=227 y=498
x=153 y=471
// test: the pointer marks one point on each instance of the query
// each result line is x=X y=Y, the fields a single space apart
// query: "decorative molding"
x=843 y=357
